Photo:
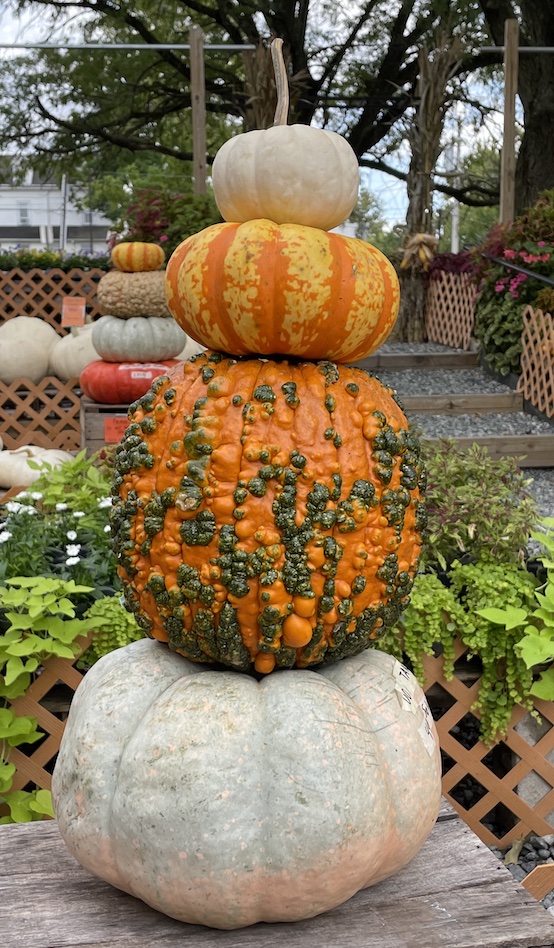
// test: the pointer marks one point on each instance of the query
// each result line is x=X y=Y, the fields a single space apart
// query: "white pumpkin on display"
x=287 y=173
x=222 y=800
x=137 y=339
x=25 y=346
x=14 y=467
x=72 y=353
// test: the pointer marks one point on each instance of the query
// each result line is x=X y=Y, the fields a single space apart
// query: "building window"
x=87 y=217
x=24 y=215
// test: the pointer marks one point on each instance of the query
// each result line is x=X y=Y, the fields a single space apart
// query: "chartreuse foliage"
x=534 y=624
x=469 y=609
x=41 y=622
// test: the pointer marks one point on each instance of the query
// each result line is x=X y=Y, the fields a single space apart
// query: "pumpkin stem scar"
x=281 y=82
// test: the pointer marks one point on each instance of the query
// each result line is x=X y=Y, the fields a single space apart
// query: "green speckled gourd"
x=267 y=514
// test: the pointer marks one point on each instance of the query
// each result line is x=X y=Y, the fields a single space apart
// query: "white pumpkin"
x=72 y=353
x=15 y=471
x=137 y=339
x=221 y=800
x=25 y=346
x=289 y=174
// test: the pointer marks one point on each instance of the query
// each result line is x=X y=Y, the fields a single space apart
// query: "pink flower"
x=500 y=286
x=541 y=243
x=510 y=254
x=162 y=238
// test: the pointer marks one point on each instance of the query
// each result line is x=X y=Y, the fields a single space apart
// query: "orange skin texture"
x=268 y=289
x=135 y=256
x=237 y=438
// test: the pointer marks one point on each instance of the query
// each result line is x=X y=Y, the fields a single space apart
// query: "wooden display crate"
x=101 y=424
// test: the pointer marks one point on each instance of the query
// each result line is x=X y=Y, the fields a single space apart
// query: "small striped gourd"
x=136 y=256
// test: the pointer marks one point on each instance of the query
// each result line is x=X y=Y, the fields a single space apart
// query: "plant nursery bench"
x=454 y=894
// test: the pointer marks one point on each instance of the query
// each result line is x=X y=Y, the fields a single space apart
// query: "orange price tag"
x=73 y=310
x=114 y=428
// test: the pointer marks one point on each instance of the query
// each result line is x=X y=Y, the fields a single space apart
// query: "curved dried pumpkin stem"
x=281 y=82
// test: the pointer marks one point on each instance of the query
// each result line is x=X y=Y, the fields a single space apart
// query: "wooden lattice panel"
x=42 y=701
x=536 y=381
x=40 y=293
x=46 y=414
x=519 y=759
x=450 y=310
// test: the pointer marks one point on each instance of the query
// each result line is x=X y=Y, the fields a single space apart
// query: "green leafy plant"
x=60 y=527
x=477 y=506
x=23 y=258
x=41 y=622
x=467 y=609
x=114 y=628
x=533 y=624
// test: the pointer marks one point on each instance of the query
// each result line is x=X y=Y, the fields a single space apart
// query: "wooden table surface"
x=454 y=894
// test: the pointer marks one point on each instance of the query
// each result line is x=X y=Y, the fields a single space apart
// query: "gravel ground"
x=440 y=381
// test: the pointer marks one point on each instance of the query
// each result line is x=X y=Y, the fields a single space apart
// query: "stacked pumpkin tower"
x=267 y=517
x=136 y=338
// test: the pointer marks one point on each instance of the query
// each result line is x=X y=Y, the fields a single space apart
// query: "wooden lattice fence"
x=450 y=310
x=536 y=381
x=47 y=699
x=41 y=292
x=492 y=788
x=46 y=414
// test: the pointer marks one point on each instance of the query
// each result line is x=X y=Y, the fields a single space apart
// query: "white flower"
x=12 y=506
x=73 y=560
x=78 y=513
x=23 y=493
x=5 y=535
x=71 y=535
x=61 y=506
x=36 y=495
x=107 y=529
x=104 y=502
x=72 y=549
x=29 y=510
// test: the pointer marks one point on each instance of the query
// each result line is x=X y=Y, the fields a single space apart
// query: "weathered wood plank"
x=462 y=404
x=535 y=450
x=420 y=360
x=454 y=894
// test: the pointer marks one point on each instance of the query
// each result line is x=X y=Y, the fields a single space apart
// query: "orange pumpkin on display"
x=268 y=289
x=266 y=513
x=136 y=256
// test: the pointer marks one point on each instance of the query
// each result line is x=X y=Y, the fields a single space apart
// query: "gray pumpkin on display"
x=137 y=339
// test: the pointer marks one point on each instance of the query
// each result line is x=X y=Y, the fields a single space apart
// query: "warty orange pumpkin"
x=269 y=289
x=266 y=513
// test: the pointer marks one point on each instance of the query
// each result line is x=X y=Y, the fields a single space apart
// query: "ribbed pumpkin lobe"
x=266 y=514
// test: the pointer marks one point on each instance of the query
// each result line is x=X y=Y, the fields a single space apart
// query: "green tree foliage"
x=352 y=67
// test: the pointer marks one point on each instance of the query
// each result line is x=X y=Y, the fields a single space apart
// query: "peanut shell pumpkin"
x=224 y=801
x=132 y=294
x=264 y=288
x=266 y=514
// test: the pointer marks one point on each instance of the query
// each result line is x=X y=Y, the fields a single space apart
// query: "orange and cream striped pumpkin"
x=136 y=256
x=268 y=289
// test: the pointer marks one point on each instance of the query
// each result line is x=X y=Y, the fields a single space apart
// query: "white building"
x=38 y=214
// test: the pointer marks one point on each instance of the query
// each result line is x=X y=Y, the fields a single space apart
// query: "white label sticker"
x=426 y=729
x=405 y=686
x=140 y=375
